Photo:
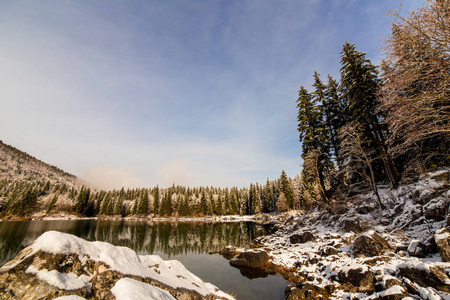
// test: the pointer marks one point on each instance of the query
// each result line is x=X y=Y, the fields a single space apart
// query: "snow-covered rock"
x=442 y=238
x=59 y=264
x=371 y=244
x=360 y=251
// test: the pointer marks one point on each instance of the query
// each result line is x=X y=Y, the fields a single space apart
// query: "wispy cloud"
x=162 y=92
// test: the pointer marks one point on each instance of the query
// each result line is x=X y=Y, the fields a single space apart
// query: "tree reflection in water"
x=171 y=238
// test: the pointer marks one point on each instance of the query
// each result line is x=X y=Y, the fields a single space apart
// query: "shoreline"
x=257 y=218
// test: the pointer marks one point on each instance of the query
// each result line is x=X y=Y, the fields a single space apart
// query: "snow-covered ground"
x=328 y=257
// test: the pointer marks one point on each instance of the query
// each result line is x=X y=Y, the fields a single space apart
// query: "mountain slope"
x=28 y=185
x=18 y=165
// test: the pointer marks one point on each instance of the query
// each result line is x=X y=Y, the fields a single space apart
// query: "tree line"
x=377 y=124
x=22 y=198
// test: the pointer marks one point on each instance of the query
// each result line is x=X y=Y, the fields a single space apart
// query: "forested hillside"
x=29 y=186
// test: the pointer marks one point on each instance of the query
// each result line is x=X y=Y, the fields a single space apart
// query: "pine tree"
x=106 y=207
x=312 y=128
x=335 y=117
x=118 y=205
x=203 y=204
x=82 y=201
x=268 y=197
x=52 y=203
x=359 y=89
x=281 y=203
x=287 y=189
x=155 y=200
x=143 y=203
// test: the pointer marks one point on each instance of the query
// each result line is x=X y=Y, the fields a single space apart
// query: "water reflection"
x=170 y=238
x=188 y=242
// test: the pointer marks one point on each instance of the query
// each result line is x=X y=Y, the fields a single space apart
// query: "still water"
x=188 y=242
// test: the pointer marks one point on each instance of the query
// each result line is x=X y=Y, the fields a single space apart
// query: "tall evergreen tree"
x=287 y=189
x=335 y=117
x=359 y=89
x=156 y=200
x=143 y=203
x=312 y=129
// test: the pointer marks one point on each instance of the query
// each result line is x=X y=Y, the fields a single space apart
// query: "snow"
x=130 y=289
x=65 y=281
x=413 y=246
x=393 y=290
x=404 y=228
x=122 y=259
x=442 y=234
x=429 y=294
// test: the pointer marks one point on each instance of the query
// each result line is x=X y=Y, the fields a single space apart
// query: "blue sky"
x=140 y=93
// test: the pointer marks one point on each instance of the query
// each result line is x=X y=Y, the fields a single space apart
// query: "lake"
x=188 y=242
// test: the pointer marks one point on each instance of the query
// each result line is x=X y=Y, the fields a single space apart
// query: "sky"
x=197 y=93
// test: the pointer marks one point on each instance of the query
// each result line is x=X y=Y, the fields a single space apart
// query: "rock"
x=329 y=250
x=292 y=293
x=365 y=209
x=255 y=258
x=433 y=194
x=436 y=209
x=371 y=244
x=302 y=238
x=355 y=225
x=416 y=248
x=228 y=252
x=59 y=264
x=444 y=176
x=425 y=274
x=442 y=238
x=385 y=282
x=395 y=292
x=430 y=246
x=360 y=277
x=308 y=291
x=448 y=221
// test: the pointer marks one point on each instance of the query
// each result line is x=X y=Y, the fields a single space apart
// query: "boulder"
x=425 y=274
x=329 y=250
x=416 y=248
x=365 y=209
x=436 y=209
x=360 y=277
x=442 y=238
x=385 y=282
x=308 y=291
x=371 y=244
x=59 y=264
x=355 y=225
x=229 y=252
x=395 y=292
x=302 y=238
x=255 y=259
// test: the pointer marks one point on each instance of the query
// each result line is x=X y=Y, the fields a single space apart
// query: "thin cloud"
x=155 y=92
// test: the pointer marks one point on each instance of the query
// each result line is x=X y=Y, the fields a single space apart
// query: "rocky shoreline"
x=352 y=249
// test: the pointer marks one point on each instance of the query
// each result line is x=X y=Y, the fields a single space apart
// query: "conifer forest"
x=375 y=125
